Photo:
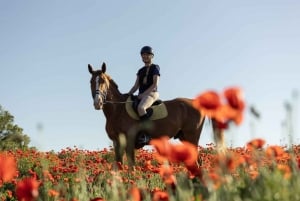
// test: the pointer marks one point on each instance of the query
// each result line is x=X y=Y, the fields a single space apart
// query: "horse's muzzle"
x=97 y=107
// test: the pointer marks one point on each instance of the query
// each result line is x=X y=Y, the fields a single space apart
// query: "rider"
x=147 y=82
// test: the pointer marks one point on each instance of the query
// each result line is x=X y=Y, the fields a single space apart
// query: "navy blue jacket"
x=154 y=70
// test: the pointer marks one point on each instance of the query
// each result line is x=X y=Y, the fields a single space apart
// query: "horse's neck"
x=113 y=93
x=114 y=99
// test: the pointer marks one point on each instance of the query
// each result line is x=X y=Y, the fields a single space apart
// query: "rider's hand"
x=140 y=96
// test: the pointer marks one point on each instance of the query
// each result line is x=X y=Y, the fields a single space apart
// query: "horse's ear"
x=90 y=68
x=103 y=68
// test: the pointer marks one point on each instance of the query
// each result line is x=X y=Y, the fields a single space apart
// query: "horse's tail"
x=218 y=136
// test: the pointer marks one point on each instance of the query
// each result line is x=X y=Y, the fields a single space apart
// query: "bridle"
x=102 y=95
x=99 y=94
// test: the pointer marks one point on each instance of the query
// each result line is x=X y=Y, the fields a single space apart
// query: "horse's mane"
x=110 y=81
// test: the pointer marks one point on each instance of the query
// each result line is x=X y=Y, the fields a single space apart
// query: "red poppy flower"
x=195 y=171
x=230 y=161
x=223 y=115
x=160 y=196
x=53 y=193
x=275 y=151
x=184 y=152
x=298 y=162
x=97 y=199
x=226 y=114
x=27 y=189
x=208 y=103
x=135 y=194
x=255 y=144
x=285 y=169
x=216 y=179
x=162 y=146
x=236 y=104
x=166 y=173
x=235 y=98
x=221 y=125
x=8 y=168
x=253 y=174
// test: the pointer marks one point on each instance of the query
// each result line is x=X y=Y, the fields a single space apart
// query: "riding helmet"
x=147 y=49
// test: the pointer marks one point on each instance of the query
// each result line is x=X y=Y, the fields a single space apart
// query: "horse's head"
x=99 y=85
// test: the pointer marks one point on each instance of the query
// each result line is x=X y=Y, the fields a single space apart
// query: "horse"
x=183 y=120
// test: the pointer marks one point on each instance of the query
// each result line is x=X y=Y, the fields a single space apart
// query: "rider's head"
x=147 y=50
x=147 y=55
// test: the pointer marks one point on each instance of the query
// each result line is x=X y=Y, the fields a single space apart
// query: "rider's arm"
x=135 y=86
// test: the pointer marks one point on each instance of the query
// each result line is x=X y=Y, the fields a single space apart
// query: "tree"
x=11 y=135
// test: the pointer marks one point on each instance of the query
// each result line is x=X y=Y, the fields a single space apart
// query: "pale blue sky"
x=45 y=47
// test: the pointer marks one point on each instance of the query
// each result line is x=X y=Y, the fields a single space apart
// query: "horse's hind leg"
x=192 y=132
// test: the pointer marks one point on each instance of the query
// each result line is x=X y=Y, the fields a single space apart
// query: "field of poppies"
x=169 y=171
x=253 y=172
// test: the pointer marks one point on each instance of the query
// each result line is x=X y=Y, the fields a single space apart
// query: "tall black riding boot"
x=144 y=117
x=147 y=115
x=143 y=138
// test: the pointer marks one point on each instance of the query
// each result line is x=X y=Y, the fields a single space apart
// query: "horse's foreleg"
x=118 y=151
x=130 y=156
x=130 y=147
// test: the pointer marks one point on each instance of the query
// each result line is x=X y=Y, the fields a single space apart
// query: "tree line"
x=11 y=135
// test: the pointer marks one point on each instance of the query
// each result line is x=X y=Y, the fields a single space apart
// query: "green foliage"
x=11 y=135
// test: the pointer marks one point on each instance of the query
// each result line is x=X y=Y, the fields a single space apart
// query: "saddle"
x=158 y=107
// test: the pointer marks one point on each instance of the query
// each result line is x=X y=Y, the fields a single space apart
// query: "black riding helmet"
x=147 y=49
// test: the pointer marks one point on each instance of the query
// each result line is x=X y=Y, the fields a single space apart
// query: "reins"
x=104 y=95
x=117 y=102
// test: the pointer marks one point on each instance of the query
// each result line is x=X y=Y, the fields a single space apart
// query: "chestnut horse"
x=183 y=120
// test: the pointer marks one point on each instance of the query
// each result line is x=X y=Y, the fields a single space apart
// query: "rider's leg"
x=145 y=113
x=145 y=103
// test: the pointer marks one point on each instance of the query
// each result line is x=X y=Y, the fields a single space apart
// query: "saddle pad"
x=159 y=111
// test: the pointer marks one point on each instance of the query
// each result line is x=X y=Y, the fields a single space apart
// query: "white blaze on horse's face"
x=98 y=99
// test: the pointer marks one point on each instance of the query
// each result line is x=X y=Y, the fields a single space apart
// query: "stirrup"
x=142 y=140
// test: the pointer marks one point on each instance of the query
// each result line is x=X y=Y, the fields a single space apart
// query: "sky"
x=45 y=47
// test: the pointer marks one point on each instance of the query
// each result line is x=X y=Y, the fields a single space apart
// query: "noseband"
x=99 y=93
